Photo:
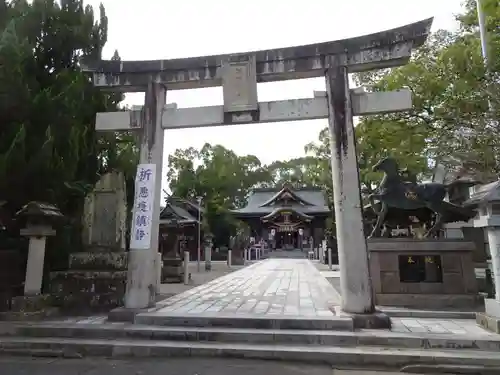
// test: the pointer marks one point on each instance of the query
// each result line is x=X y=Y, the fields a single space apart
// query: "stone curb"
x=339 y=356
x=229 y=335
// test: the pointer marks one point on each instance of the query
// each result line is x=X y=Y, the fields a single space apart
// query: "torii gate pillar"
x=142 y=258
x=355 y=285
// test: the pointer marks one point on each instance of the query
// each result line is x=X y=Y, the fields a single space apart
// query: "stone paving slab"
x=440 y=326
x=271 y=288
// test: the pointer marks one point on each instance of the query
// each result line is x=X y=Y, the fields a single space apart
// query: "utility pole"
x=484 y=43
x=482 y=32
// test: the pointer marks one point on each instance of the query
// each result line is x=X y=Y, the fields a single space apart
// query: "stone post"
x=330 y=258
x=493 y=233
x=36 y=254
x=140 y=292
x=487 y=200
x=186 y=267
x=229 y=260
x=38 y=217
x=355 y=282
x=208 y=258
x=159 y=266
x=208 y=253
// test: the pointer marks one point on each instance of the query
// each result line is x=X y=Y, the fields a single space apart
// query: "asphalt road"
x=169 y=366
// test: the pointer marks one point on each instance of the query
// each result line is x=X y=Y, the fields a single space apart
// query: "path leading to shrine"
x=274 y=289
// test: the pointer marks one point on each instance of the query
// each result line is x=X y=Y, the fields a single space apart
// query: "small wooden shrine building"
x=179 y=227
x=286 y=217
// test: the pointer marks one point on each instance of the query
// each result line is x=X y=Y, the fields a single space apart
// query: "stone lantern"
x=39 y=219
x=486 y=199
x=208 y=251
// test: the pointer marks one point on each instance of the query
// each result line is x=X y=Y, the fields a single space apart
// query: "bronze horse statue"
x=405 y=193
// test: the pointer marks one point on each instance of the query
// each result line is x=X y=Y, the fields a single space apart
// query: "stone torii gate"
x=239 y=74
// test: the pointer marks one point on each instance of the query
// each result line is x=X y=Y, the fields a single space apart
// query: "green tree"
x=49 y=150
x=450 y=121
x=222 y=178
x=304 y=172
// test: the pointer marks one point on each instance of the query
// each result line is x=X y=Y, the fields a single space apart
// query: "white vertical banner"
x=143 y=206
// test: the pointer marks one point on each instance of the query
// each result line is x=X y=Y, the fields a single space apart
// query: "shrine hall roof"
x=173 y=212
x=485 y=194
x=313 y=201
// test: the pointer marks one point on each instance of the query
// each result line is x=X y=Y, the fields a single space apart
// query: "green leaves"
x=450 y=120
x=218 y=175
x=48 y=106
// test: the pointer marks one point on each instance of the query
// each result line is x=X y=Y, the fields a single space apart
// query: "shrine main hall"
x=288 y=218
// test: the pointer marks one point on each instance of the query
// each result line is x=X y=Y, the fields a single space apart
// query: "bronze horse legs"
x=438 y=222
x=381 y=215
x=377 y=228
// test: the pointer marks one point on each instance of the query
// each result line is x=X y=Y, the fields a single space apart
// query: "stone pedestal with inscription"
x=423 y=274
x=97 y=277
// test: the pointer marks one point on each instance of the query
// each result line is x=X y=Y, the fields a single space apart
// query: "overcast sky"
x=156 y=29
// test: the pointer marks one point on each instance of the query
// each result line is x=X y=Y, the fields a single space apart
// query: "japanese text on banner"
x=143 y=206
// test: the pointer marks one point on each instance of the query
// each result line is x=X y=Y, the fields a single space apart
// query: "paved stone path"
x=441 y=326
x=273 y=287
x=219 y=269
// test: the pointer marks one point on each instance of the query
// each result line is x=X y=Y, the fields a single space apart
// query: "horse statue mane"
x=400 y=189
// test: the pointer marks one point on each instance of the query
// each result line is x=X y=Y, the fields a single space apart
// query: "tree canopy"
x=451 y=121
x=49 y=150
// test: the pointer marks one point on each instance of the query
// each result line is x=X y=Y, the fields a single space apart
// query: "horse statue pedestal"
x=423 y=274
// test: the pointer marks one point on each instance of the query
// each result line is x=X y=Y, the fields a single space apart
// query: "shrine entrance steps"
x=277 y=309
x=287 y=254
x=381 y=349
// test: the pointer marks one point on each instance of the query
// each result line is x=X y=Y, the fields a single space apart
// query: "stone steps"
x=124 y=331
x=334 y=355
